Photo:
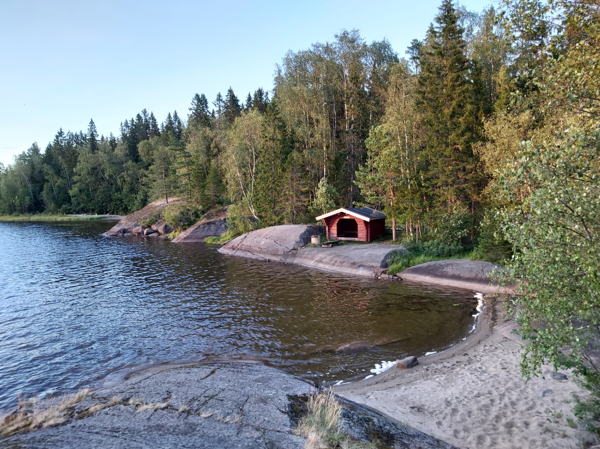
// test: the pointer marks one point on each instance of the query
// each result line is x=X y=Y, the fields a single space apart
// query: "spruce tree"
x=231 y=107
x=177 y=126
x=92 y=137
x=199 y=113
x=450 y=104
x=248 y=104
x=260 y=100
x=154 y=130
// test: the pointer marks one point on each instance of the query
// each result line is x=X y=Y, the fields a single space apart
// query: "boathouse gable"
x=361 y=224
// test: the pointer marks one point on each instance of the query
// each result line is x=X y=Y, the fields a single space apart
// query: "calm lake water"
x=76 y=306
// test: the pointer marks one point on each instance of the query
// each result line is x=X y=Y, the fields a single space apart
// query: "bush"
x=491 y=243
x=453 y=225
x=422 y=252
x=237 y=222
x=181 y=217
x=148 y=222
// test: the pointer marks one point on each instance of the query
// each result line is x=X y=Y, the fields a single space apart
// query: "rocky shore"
x=132 y=224
x=291 y=244
x=206 y=405
x=135 y=224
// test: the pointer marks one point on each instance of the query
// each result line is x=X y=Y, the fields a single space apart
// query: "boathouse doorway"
x=347 y=228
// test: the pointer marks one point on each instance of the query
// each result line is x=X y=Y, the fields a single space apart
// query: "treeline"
x=347 y=123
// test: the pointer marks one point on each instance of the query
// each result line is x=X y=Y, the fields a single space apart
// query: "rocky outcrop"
x=213 y=224
x=288 y=244
x=131 y=225
x=209 y=405
x=461 y=273
x=275 y=243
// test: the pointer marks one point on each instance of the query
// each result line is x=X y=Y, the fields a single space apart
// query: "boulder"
x=164 y=228
x=137 y=230
x=273 y=243
x=149 y=231
x=204 y=228
x=407 y=362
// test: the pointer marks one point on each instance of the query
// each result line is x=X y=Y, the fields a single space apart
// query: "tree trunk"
x=393 y=228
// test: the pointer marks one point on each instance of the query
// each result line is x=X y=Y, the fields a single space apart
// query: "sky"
x=64 y=62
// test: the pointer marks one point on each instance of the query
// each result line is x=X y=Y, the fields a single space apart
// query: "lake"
x=76 y=306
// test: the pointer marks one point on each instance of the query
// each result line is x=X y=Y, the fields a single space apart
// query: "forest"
x=347 y=122
x=483 y=134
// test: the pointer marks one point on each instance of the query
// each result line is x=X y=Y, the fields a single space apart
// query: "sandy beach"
x=473 y=396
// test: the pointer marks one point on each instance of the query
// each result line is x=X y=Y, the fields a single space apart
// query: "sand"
x=473 y=396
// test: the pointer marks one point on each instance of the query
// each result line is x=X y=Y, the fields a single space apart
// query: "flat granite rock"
x=462 y=273
x=273 y=243
x=207 y=405
x=288 y=243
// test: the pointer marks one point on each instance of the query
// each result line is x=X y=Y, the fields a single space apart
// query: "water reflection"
x=75 y=306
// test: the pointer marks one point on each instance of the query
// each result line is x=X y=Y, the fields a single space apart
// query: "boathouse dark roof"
x=364 y=213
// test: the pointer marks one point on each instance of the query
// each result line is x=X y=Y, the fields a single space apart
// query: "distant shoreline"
x=49 y=218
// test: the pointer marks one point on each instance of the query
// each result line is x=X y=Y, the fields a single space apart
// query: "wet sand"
x=473 y=396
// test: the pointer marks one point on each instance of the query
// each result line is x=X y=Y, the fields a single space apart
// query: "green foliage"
x=491 y=244
x=325 y=197
x=148 y=222
x=547 y=179
x=180 y=216
x=214 y=240
x=450 y=97
x=238 y=222
x=417 y=253
x=452 y=223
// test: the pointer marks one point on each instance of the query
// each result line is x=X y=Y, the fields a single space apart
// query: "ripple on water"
x=75 y=306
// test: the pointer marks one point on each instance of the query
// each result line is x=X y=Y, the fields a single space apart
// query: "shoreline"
x=473 y=396
x=57 y=218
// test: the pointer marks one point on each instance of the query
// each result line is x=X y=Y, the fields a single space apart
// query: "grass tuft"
x=219 y=240
x=320 y=425
x=152 y=406
x=27 y=417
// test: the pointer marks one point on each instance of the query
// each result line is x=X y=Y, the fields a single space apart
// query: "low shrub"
x=219 y=240
x=181 y=216
x=417 y=253
x=148 y=222
x=238 y=223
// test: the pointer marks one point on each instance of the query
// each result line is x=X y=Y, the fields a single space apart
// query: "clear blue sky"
x=63 y=62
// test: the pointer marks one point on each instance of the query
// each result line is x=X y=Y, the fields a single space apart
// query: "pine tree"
x=168 y=125
x=217 y=112
x=414 y=52
x=260 y=100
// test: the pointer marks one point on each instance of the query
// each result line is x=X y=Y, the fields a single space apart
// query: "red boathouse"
x=361 y=224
